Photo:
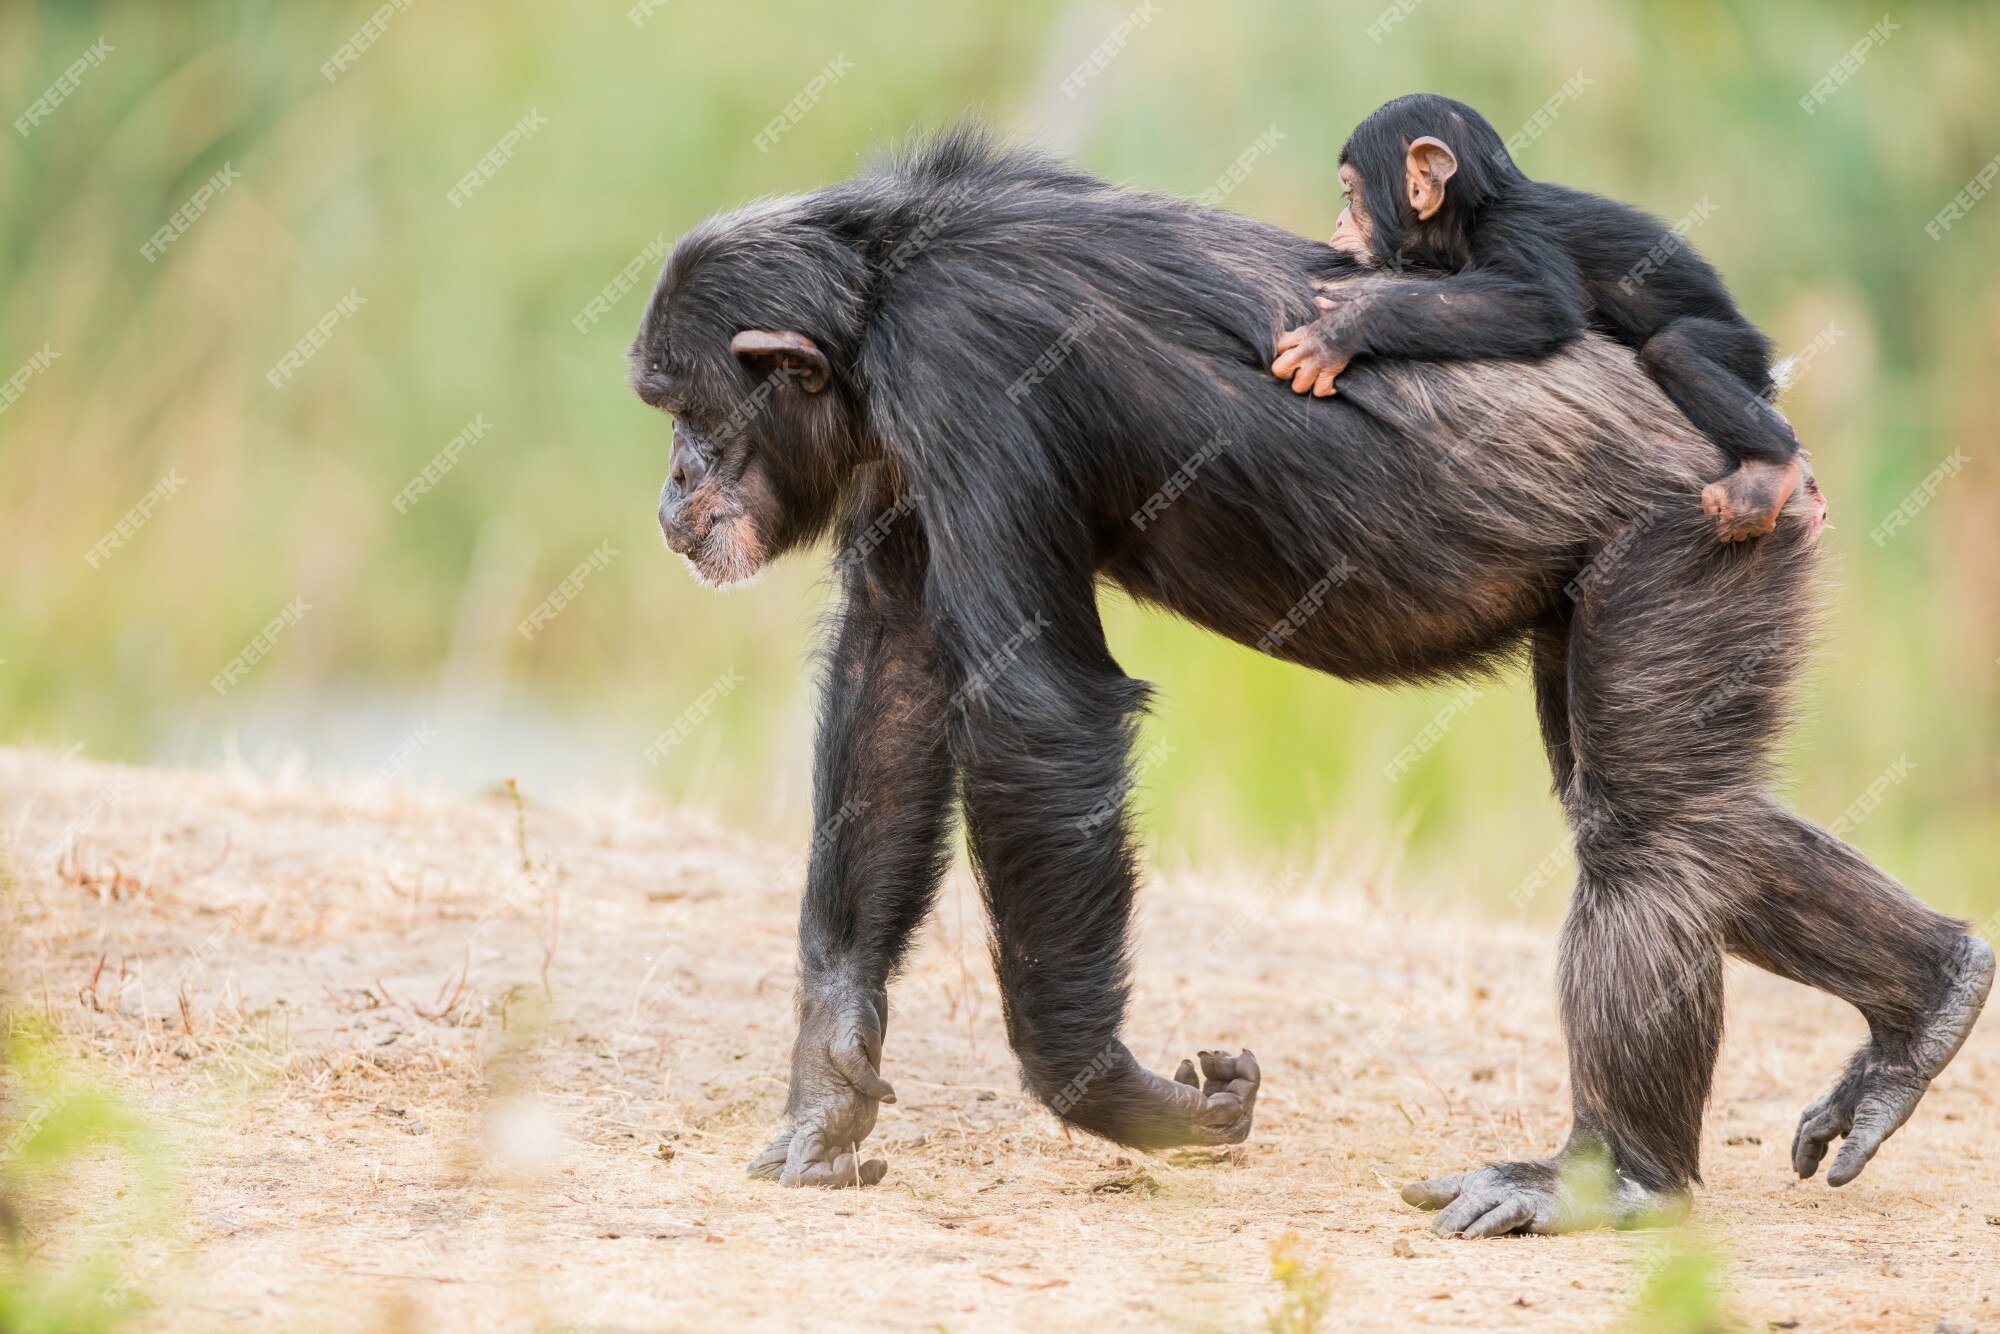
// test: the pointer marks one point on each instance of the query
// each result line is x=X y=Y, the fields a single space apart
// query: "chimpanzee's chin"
x=720 y=575
x=720 y=562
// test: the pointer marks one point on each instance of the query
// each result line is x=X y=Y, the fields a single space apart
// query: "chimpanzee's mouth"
x=678 y=540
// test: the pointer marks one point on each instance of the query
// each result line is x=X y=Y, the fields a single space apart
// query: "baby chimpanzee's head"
x=1415 y=174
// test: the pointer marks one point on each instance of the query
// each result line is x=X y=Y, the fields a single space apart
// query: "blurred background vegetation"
x=652 y=115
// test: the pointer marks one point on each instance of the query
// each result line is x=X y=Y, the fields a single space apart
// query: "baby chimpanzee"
x=1529 y=266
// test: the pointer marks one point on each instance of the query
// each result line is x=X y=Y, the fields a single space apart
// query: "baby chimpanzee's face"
x=1353 y=233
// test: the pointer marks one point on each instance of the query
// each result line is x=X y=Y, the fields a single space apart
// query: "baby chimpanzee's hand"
x=1312 y=356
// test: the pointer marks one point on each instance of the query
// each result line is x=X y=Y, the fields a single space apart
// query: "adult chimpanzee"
x=1430 y=186
x=996 y=381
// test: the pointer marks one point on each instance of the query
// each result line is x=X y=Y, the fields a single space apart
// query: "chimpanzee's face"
x=718 y=509
x=1353 y=233
x=760 y=446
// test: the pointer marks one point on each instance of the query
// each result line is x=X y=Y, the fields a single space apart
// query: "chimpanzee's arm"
x=1496 y=312
x=1042 y=728
x=1045 y=748
x=882 y=778
x=882 y=794
x=1522 y=297
x=1040 y=719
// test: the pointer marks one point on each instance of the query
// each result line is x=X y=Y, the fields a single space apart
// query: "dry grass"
x=413 y=1082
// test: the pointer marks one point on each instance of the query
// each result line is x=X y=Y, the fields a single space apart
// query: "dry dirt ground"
x=410 y=1082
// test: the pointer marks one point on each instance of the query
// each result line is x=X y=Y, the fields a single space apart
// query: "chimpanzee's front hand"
x=1312 y=356
x=836 y=1089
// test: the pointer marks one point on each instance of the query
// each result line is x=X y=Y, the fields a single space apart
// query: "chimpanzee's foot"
x=835 y=1092
x=1745 y=503
x=1557 y=1195
x=1229 y=1096
x=1885 y=1080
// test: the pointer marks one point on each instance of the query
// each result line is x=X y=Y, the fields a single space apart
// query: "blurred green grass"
x=1818 y=222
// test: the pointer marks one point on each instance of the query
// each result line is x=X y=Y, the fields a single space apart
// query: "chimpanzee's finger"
x=770 y=1160
x=1236 y=1074
x=854 y=1066
x=843 y=1173
x=808 y=1152
x=839 y=1172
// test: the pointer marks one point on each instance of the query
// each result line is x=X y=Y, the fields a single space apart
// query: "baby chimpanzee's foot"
x=1745 y=503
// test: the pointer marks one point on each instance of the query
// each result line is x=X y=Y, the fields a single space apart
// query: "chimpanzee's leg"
x=1667 y=738
x=1548 y=665
x=882 y=798
x=1045 y=779
x=1709 y=369
x=1817 y=912
x=1640 y=974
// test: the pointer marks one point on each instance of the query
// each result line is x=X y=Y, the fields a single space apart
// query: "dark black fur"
x=1038 y=381
x=1533 y=265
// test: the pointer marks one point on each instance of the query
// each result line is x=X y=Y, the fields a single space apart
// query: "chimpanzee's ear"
x=797 y=356
x=1429 y=165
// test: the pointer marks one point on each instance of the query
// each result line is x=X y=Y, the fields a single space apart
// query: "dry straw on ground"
x=425 y=1065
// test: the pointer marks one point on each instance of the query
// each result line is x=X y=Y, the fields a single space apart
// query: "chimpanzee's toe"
x=1746 y=503
x=1886 y=1079
x=1558 y=1195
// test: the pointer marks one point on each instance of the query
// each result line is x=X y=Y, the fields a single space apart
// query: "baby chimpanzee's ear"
x=787 y=352
x=1429 y=165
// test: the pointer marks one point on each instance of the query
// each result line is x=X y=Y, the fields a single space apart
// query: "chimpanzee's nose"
x=686 y=470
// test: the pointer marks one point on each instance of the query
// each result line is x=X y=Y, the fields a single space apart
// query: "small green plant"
x=1687 y=1291
x=57 y=1126
x=1308 y=1289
